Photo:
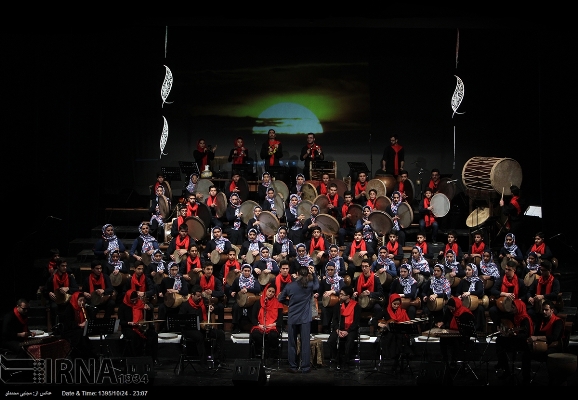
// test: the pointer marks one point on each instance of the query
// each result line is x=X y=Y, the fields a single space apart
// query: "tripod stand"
x=467 y=331
x=101 y=327
x=181 y=323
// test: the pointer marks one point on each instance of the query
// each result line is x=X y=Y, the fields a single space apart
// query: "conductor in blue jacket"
x=298 y=295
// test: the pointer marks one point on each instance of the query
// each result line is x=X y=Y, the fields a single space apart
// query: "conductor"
x=298 y=295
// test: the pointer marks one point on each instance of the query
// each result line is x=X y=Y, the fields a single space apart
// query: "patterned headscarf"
x=406 y=282
x=421 y=264
x=147 y=239
x=490 y=268
x=474 y=278
x=111 y=239
x=511 y=249
x=246 y=282
x=305 y=260
x=335 y=280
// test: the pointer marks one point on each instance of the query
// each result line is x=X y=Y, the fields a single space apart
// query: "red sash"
x=364 y=283
x=546 y=284
x=347 y=311
x=93 y=281
x=355 y=247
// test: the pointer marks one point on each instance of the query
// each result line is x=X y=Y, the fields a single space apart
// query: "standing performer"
x=310 y=152
x=238 y=154
x=393 y=157
x=299 y=319
x=271 y=150
x=345 y=325
x=203 y=155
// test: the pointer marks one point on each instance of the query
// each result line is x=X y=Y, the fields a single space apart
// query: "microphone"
x=59 y=219
x=556 y=235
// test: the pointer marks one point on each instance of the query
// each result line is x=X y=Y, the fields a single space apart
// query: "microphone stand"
x=338 y=329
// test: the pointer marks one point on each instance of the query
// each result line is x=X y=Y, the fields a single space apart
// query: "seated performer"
x=74 y=322
x=58 y=288
x=457 y=314
x=329 y=287
x=344 y=327
x=532 y=266
x=360 y=194
x=191 y=187
x=15 y=330
x=367 y=285
x=340 y=265
x=201 y=307
x=511 y=286
x=284 y=277
x=541 y=249
x=323 y=187
x=116 y=270
x=359 y=247
x=232 y=264
x=157 y=221
x=265 y=265
x=98 y=285
x=109 y=242
x=310 y=222
x=245 y=283
x=364 y=224
x=427 y=218
x=283 y=248
x=191 y=207
x=254 y=223
x=391 y=210
x=192 y=266
x=317 y=247
x=301 y=260
x=263 y=187
x=251 y=246
x=424 y=246
x=477 y=249
x=546 y=287
x=295 y=220
x=394 y=248
x=212 y=290
x=489 y=271
x=143 y=246
x=437 y=287
x=179 y=245
x=511 y=252
x=406 y=287
x=471 y=285
x=297 y=188
x=211 y=202
x=348 y=223
x=453 y=245
x=236 y=228
x=143 y=338
x=372 y=198
x=267 y=319
x=384 y=265
x=420 y=267
x=392 y=344
x=141 y=284
x=452 y=269
x=169 y=289
x=158 y=268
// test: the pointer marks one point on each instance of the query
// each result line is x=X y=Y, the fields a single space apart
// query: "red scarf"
x=454 y=247
x=227 y=267
x=359 y=187
x=401 y=187
x=273 y=144
x=460 y=309
x=181 y=220
x=344 y=212
x=316 y=244
x=396 y=148
x=355 y=247
x=334 y=200
x=539 y=249
x=200 y=306
x=238 y=154
x=233 y=186
x=137 y=283
x=210 y=284
x=546 y=327
x=193 y=263
x=191 y=211
x=52 y=266
x=514 y=202
x=400 y=315
x=521 y=314
x=347 y=311
x=269 y=311
x=211 y=200
x=78 y=312
x=137 y=311
x=429 y=218
x=478 y=249
x=393 y=249
x=59 y=281
x=546 y=284
x=364 y=283
x=323 y=188
x=183 y=243
x=92 y=280
x=281 y=281
x=22 y=318
x=371 y=203
x=313 y=147
x=507 y=284
x=205 y=159
x=422 y=246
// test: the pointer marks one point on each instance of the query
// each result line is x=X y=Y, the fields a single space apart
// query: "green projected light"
x=287 y=118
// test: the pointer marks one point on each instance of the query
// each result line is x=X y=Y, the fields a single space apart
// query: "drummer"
x=545 y=287
x=310 y=222
x=157 y=267
x=438 y=287
x=256 y=224
x=453 y=269
x=192 y=264
x=174 y=284
x=435 y=179
x=340 y=265
x=233 y=186
x=329 y=287
x=317 y=248
x=243 y=284
x=407 y=288
x=488 y=270
x=211 y=202
x=427 y=218
x=347 y=227
x=335 y=206
x=157 y=221
x=360 y=190
x=269 y=203
x=263 y=187
x=472 y=285
x=265 y=265
x=532 y=266
x=250 y=247
x=369 y=235
x=511 y=252
x=283 y=248
x=367 y=284
x=391 y=210
x=420 y=266
x=323 y=187
x=213 y=292
x=303 y=259
x=192 y=205
x=297 y=189
x=179 y=245
x=402 y=184
x=113 y=268
x=477 y=248
x=232 y=264
x=236 y=228
x=98 y=286
x=295 y=220
x=192 y=186
x=384 y=265
x=219 y=243
x=508 y=286
x=181 y=218
x=372 y=198
x=452 y=245
x=357 y=248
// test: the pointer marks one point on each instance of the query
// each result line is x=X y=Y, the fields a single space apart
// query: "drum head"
x=405 y=214
x=309 y=192
x=330 y=300
x=385 y=278
x=281 y=188
x=356 y=212
x=167 y=228
x=382 y=202
x=529 y=279
x=202 y=189
x=448 y=188
x=269 y=223
x=478 y=217
x=264 y=279
x=279 y=205
x=204 y=213
x=116 y=279
x=305 y=208
x=247 y=208
x=158 y=278
x=409 y=190
x=380 y=222
x=341 y=186
x=441 y=205
x=197 y=228
x=322 y=201
x=232 y=275
x=328 y=224
x=168 y=190
x=164 y=207
x=505 y=173
x=378 y=185
x=504 y=304
x=221 y=204
x=363 y=300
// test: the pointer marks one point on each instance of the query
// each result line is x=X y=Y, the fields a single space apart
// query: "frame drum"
x=322 y=201
x=159 y=276
x=447 y=186
x=219 y=258
x=247 y=210
x=378 y=185
x=441 y=205
x=347 y=280
x=167 y=228
x=405 y=214
x=356 y=212
x=281 y=188
x=174 y=300
x=538 y=306
x=504 y=304
x=492 y=173
x=409 y=189
x=309 y=192
x=97 y=298
x=222 y=203
x=382 y=202
x=384 y=278
x=119 y=279
x=529 y=279
x=197 y=228
x=204 y=213
x=330 y=301
x=419 y=278
x=406 y=302
x=304 y=208
x=279 y=207
x=247 y=299
x=202 y=189
x=389 y=181
x=232 y=275
x=357 y=259
x=328 y=224
x=478 y=217
x=61 y=298
x=488 y=283
x=265 y=279
x=380 y=222
x=367 y=302
x=195 y=276
x=164 y=208
x=436 y=305
x=269 y=223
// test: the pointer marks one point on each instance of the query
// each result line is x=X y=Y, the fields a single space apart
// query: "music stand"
x=181 y=323
x=188 y=167
x=171 y=173
x=467 y=331
x=101 y=327
x=405 y=332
